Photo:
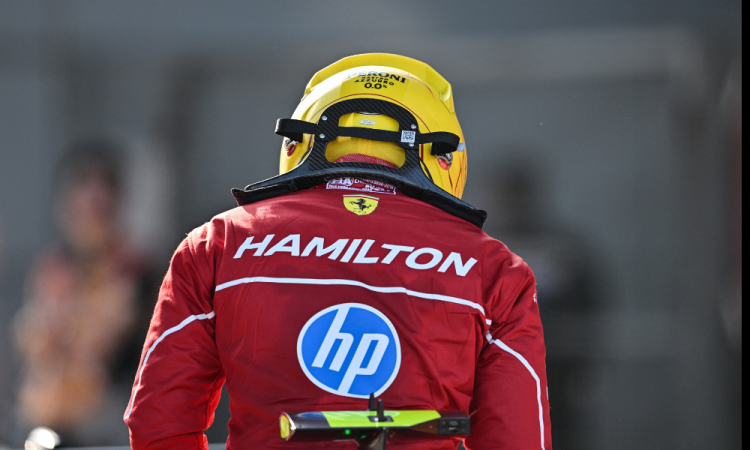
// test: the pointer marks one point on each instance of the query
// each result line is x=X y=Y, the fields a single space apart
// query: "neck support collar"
x=316 y=169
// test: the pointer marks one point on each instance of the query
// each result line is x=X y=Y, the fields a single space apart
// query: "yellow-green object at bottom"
x=360 y=419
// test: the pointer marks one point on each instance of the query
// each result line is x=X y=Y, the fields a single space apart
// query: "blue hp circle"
x=350 y=349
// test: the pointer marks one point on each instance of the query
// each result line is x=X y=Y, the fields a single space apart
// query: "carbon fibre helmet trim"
x=316 y=169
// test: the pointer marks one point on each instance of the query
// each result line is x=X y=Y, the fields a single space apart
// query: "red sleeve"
x=510 y=408
x=179 y=380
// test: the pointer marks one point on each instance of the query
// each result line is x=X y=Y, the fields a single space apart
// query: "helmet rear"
x=406 y=82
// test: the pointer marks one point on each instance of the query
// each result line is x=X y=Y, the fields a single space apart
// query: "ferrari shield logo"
x=360 y=205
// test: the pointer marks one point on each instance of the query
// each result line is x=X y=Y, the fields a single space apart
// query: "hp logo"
x=350 y=350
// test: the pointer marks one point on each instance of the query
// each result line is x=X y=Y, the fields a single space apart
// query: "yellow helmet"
x=406 y=82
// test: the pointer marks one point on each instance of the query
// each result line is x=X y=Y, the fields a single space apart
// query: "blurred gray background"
x=604 y=140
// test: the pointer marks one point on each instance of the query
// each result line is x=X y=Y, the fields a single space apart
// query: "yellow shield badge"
x=360 y=205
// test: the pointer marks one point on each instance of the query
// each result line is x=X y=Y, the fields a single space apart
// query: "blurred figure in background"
x=87 y=309
x=5 y=356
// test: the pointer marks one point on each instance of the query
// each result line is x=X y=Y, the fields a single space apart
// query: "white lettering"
x=455 y=259
x=394 y=250
x=362 y=257
x=355 y=367
x=350 y=251
x=318 y=244
x=291 y=245
x=437 y=255
x=248 y=244
x=281 y=246
x=334 y=333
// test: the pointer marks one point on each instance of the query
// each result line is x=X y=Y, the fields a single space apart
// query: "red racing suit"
x=312 y=300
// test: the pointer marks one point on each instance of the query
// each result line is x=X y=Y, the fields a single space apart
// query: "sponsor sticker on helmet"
x=350 y=350
x=367 y=122
x=376 y=80
x=445 y=160
x=361 y=205
x=290 y=146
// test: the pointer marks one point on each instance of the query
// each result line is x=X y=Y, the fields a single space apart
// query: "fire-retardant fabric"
x=311 y=300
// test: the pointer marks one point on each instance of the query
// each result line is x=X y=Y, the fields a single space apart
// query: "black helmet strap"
x=327 y=129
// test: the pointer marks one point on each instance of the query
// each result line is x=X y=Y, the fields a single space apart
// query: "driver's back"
x=314 y=300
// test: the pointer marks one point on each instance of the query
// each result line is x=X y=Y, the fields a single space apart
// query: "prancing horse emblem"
x=360 y=205
x=360 y=202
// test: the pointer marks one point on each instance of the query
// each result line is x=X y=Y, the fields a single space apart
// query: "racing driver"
x=356 y=271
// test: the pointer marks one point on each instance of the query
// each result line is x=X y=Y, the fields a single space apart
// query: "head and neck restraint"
x=316 y=169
